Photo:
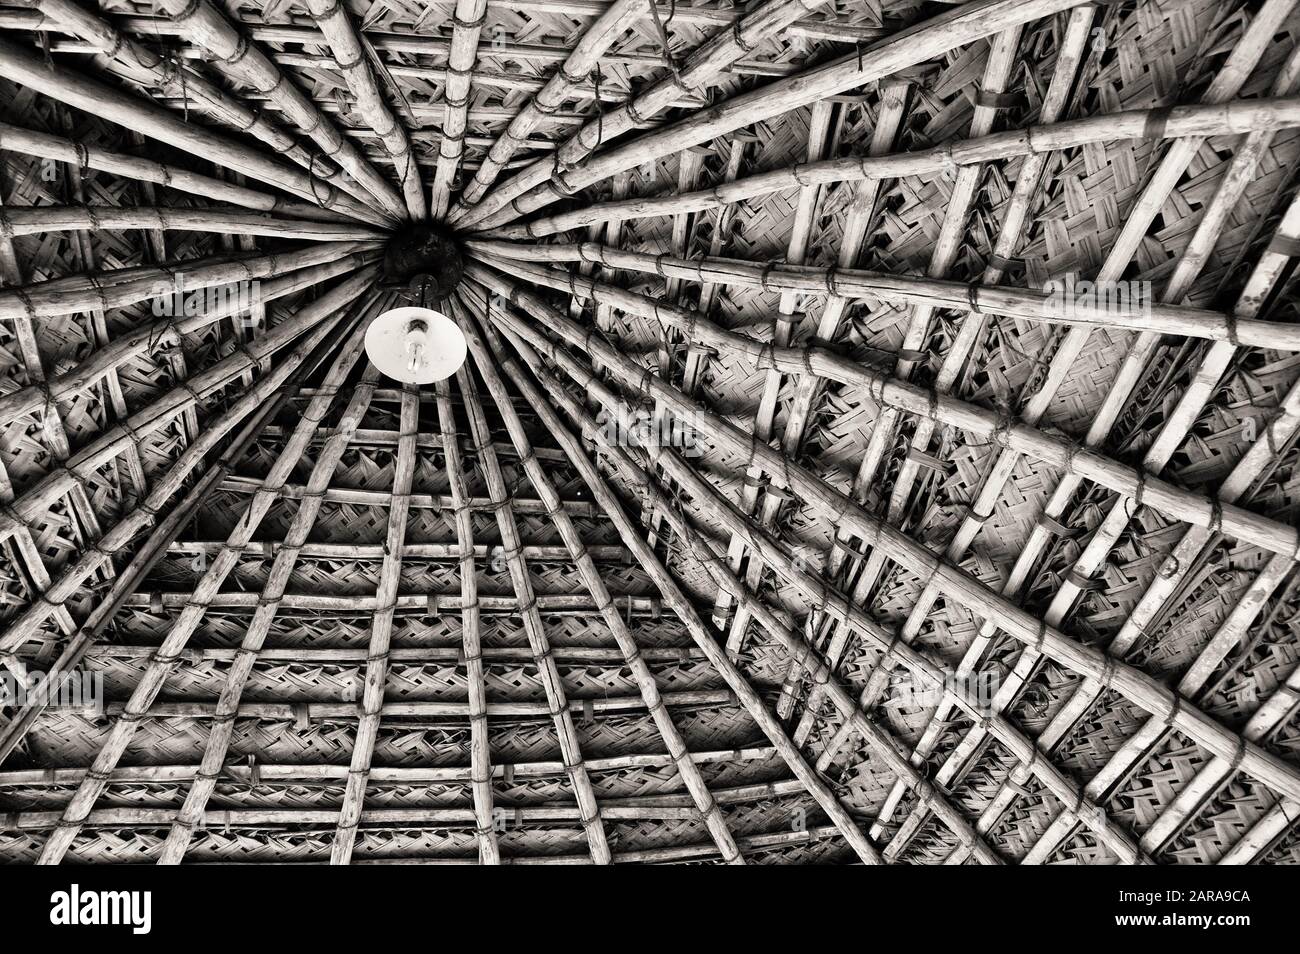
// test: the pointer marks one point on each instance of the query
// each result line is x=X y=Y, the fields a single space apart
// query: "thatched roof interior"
x=878 y=440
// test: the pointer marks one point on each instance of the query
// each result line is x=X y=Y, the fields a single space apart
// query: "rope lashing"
x=662 y=28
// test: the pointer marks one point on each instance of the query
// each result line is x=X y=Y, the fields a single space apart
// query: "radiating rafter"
x=146 y=690
x=381 y=632
x=564 y=84
x=819 y=595
x=907 y=48
x=467 y=21
x=699 y=632
x=485 y=821
x=534 y=628
x=1227 y=82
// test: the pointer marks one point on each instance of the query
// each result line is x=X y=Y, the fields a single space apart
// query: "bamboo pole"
x=350 y=59
x=700 y=70
x=958 y=27
x=400 y=818
x=1068 y=64
x=614 y=21
x=543 y=55
x=689 y=168
x=861 y=212
x=303 y=32
x=833 y=602
x=418 y=603
x=430 y=552
x=1087 y=661
x=381 y=634
x=1226 y=84
x=1080 y=306
x=26 y=553
x=677 y=805
x=627 y=808
x=379 y=498
x=965 y=182
x=827 y=27
x=887 y=748
x=1217 y=771
x=375 y=437
x=173 y=358
x=1265 y=832
x=219 y=737
x=682 y=606
x=756 y=845
x=273 y=773
x=1234 y=118
x=56 y=218
x=148 y=67
x=783 y=330
x=347 y=712
x=489 y=851
x=27 y=623
x=616 y=809
x=697 y=360
x=575 y=656
x=508 y=82
x=185 y=395
x=122 y=287
x=1191 y=549
x=144 y=557
x=1059 y=451
x=631 y=653
x=152 y=679
x=534 y=629
x=468 y=20
x=83 y=520
x=99 y=99
x=86 y=155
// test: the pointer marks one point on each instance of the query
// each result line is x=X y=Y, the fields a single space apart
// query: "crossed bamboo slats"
x=214 y=753
x=1130 y=682
x=137 y=708
x=1227 y=82
x=831 y=601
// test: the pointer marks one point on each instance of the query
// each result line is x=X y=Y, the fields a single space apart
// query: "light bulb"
x=415 y=345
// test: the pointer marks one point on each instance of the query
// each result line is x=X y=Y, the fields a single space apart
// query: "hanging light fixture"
x=416 y=343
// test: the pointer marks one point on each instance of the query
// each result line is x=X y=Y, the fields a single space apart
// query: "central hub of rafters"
x=423 y=262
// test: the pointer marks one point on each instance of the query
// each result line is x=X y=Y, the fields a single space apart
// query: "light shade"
x=415 y=345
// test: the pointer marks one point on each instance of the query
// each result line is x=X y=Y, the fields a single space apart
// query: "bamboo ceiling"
x=786 y=509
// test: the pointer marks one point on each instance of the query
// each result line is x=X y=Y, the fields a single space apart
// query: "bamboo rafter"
x=214 y=753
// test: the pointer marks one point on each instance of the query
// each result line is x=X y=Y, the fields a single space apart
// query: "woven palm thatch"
x=878 y=440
